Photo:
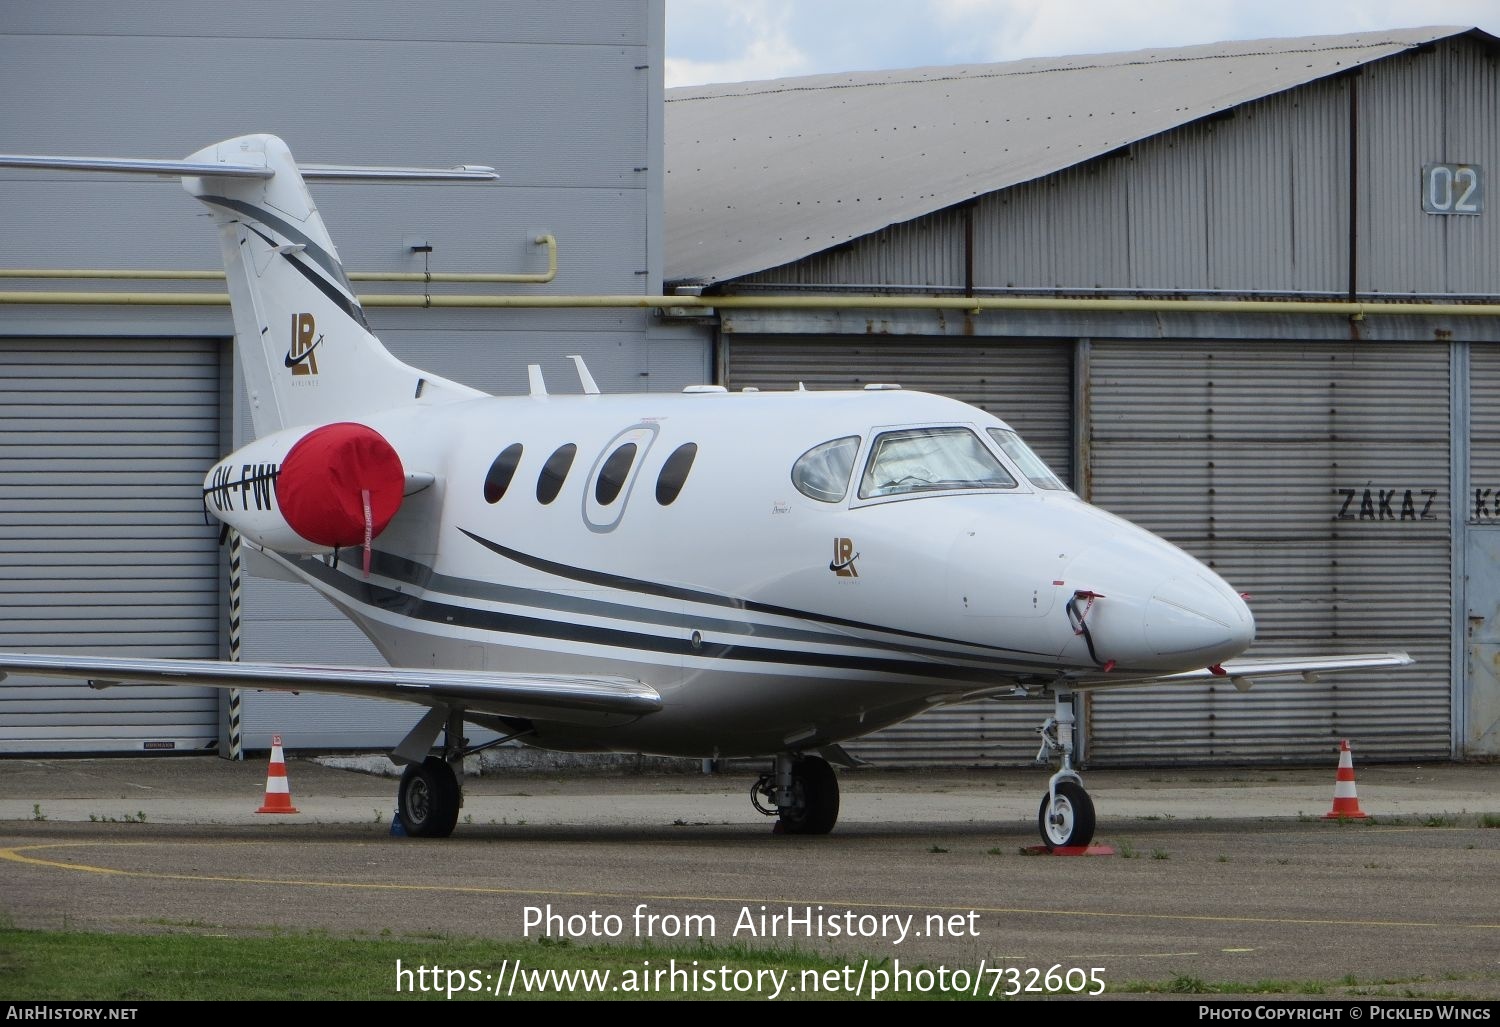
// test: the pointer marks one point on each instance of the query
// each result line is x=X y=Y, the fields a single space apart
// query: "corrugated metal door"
x=1481 y=506
x=102 y=536
x=1314 y=476
x=1026 y=383
x=1481 y=686
x=1481 y=735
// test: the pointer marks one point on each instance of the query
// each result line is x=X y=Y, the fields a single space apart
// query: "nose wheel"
x=1066 y=816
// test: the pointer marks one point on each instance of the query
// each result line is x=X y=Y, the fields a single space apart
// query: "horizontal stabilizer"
x=211 y=169
x=353 y=173
x=572 y=699
x=132 y=166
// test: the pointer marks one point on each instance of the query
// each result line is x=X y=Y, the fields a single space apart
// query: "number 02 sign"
x=1452 y=189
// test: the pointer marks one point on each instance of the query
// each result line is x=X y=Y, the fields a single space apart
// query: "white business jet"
x=702 y=574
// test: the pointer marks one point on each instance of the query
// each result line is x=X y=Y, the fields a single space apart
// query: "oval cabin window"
x=612 y=475
x=501 y=472
x=554 y=472
x=674 y=473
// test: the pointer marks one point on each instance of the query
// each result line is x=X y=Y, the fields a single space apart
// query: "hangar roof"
x=760 y=174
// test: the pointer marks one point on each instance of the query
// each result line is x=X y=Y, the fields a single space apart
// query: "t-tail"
x=305 y=347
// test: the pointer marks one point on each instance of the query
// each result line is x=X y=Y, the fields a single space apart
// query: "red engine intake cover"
x=325 y=476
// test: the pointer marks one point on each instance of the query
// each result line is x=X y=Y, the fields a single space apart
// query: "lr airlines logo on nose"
x=301 y=356
x=844 y=556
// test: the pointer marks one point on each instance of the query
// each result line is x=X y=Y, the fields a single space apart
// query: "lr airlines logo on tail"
x=301 y=356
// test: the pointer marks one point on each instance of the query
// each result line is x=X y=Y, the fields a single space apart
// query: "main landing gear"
x=431 y=792
x=802 y=791
x=1066 y=817
x=429 y=798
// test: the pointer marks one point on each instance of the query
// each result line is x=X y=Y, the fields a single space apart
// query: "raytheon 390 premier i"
x=701 y=574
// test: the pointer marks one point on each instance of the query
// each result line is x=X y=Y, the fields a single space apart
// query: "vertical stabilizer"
x=304 y=345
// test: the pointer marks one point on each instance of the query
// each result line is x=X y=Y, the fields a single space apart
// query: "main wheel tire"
x=1071 y=822
x=428 y=798
x=815 y=788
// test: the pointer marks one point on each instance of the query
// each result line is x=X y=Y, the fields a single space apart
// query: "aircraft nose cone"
x=1193 y=615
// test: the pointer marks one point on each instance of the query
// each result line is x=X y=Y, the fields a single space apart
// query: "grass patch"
x=1183 y=984
x=189 y=965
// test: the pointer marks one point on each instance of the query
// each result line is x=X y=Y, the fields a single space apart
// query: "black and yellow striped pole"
x=236 y=740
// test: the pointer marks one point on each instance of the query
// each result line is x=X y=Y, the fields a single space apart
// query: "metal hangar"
x=1243 y=294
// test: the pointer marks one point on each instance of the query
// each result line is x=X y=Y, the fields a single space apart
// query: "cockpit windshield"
x=929 y=459
x=1038 y=473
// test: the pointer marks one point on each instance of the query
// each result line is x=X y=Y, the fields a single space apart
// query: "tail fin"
x=305 y=348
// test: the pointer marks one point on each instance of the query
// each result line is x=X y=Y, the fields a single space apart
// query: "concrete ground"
x=1223 y=876
x=208 y=790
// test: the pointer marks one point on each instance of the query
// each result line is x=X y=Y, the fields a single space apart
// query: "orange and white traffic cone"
x=278 y=792
x=1345 y=802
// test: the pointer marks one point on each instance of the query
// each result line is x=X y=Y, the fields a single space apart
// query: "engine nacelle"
x=309 y=491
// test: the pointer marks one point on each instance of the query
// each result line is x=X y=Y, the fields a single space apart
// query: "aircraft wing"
x=1242 y=673
x=573 y=699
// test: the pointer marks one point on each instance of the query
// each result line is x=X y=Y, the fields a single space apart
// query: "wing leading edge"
x=1242 y=673
x=572 y=699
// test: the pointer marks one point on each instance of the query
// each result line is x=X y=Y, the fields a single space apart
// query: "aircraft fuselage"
x=665 y=536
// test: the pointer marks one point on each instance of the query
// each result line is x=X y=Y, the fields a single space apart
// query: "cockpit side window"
x=1031 y=465
x=822 y=473
x=931 y=459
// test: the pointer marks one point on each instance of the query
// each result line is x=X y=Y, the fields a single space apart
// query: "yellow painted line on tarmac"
x=17 y=854
x=1023 y=960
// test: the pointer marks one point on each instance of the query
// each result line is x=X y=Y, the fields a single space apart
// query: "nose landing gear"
x=1066 y=816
